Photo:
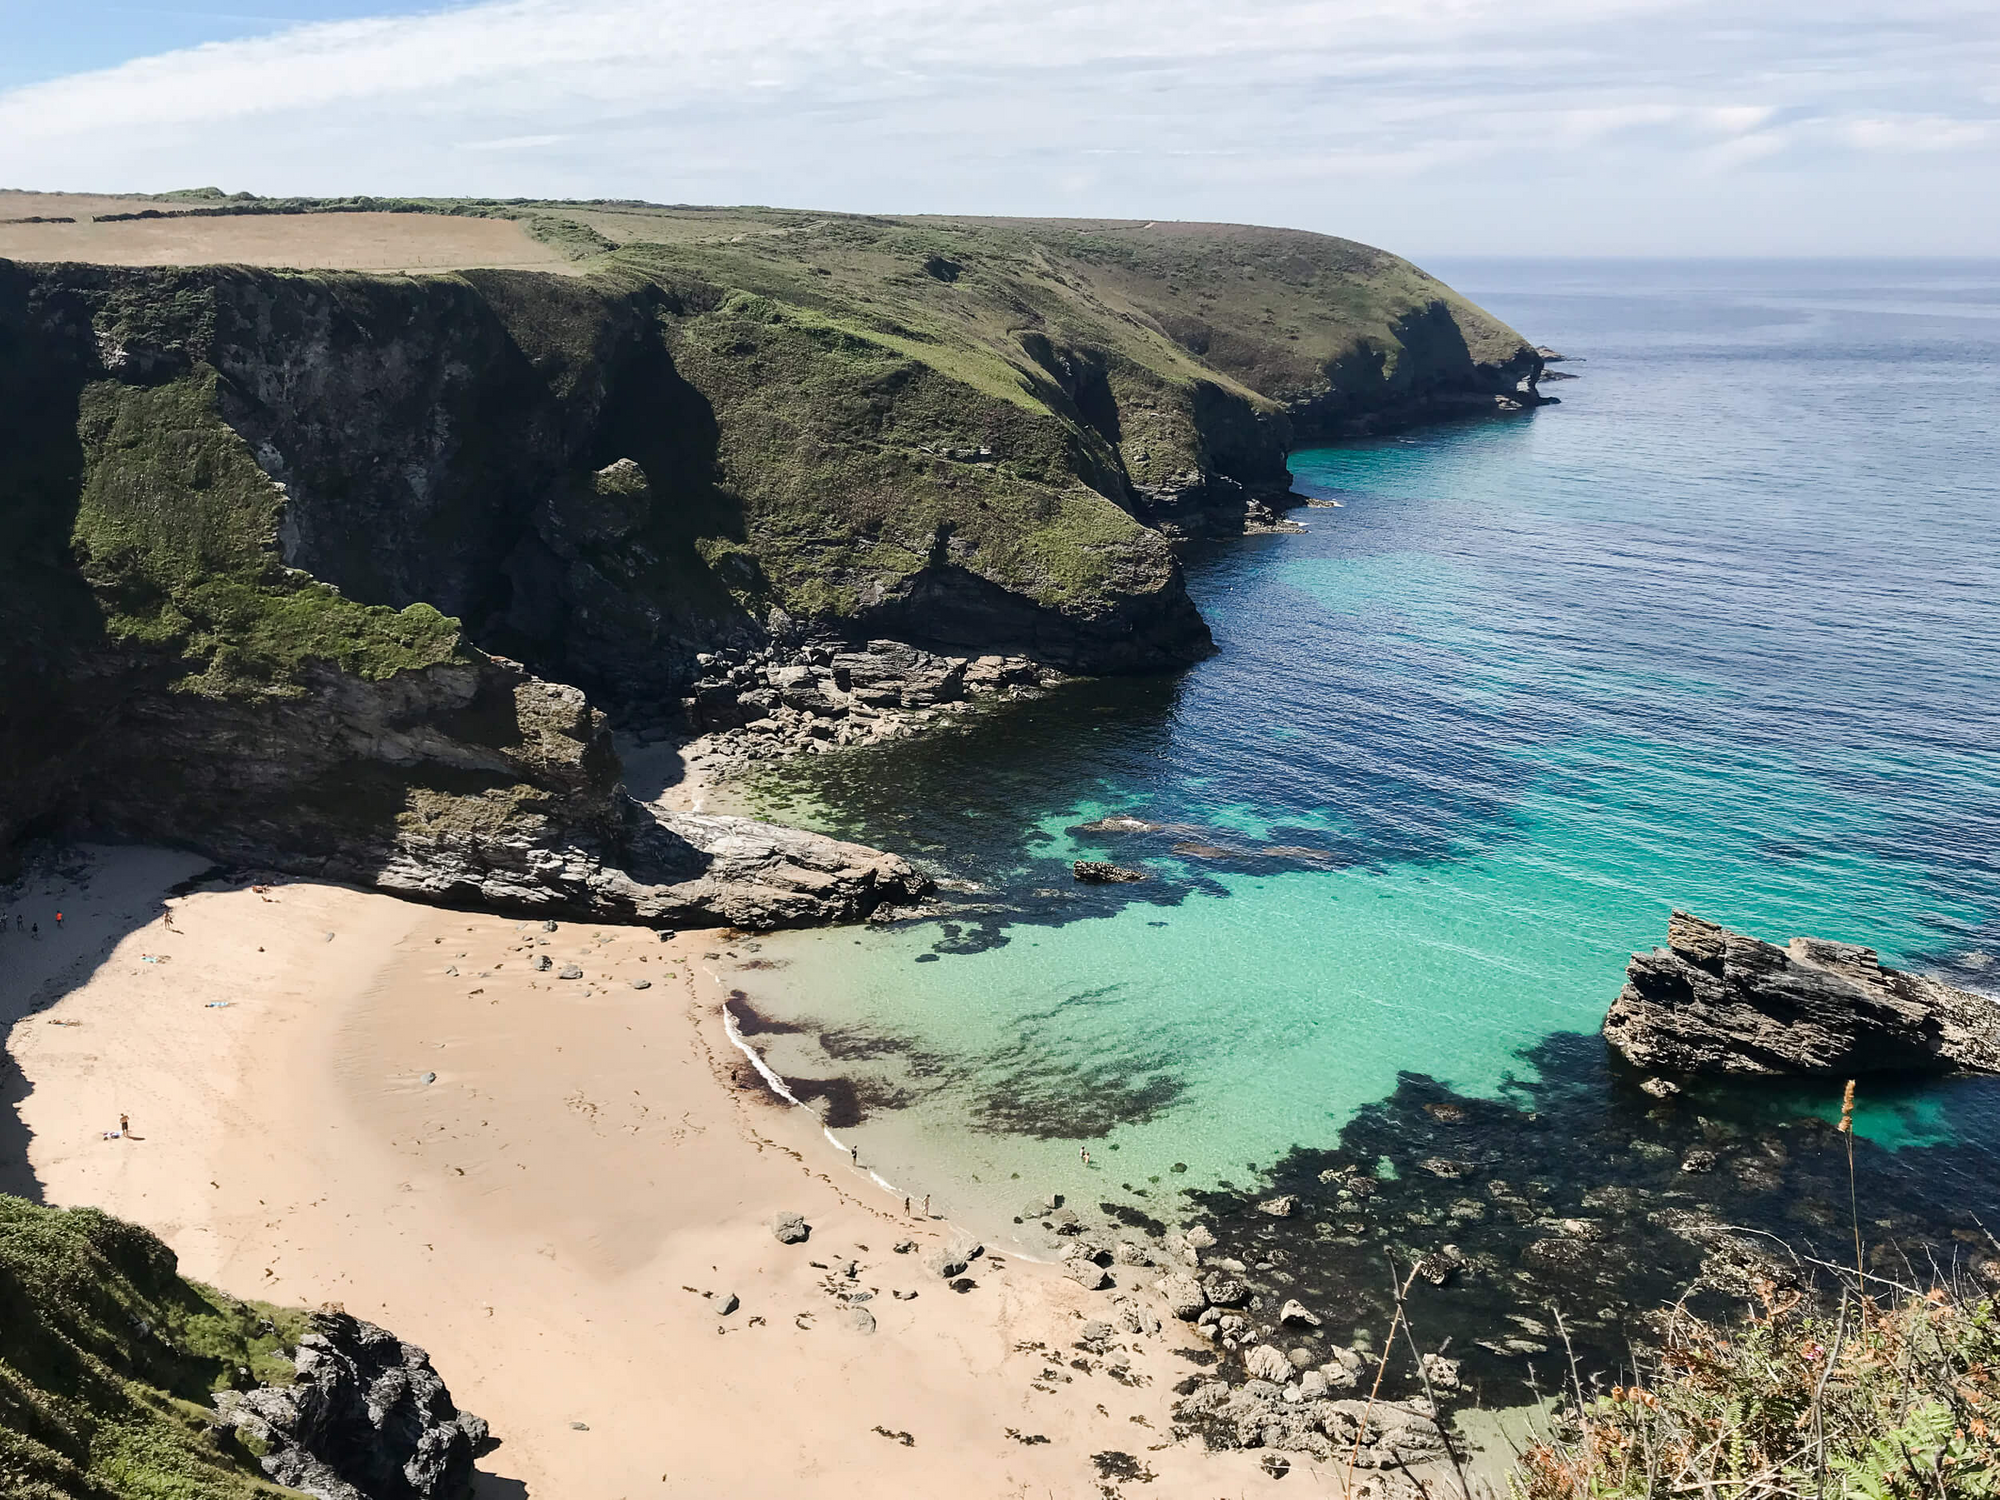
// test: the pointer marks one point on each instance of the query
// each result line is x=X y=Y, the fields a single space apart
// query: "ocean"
x=1719 y=632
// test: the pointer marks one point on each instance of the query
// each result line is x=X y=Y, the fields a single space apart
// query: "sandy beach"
x=555 y=1186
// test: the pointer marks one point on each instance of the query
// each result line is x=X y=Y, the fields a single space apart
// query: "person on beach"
x=927 y=1205
x=58 y=921
x=855 y=1152
x=35 y=930
x=1084 y=1152
x=125 y=1125
x=168 y=912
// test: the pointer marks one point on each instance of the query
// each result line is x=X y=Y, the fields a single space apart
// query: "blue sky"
x=1432 y=126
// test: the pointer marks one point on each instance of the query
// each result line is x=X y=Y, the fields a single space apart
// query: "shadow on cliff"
x=469 y=477
x=50 y=711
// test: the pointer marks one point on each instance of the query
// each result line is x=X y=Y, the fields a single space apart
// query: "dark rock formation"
x=1715 y=1001
x=467 y=783
x=1100 y=872
x=366 y=1419
x=752 y=705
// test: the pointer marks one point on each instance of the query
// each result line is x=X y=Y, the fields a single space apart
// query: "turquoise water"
x=1719 y=632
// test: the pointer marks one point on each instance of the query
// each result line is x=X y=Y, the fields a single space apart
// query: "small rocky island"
x=1718 y=1002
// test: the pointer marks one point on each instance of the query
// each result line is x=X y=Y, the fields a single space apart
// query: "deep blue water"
x=1720 y=632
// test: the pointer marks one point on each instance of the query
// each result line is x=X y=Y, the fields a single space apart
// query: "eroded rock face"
x=367 y=1419
x=469 y=783
x=1716 y=1001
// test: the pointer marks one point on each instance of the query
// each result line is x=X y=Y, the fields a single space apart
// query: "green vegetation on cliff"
x=177 y=534
x=107 y=1361
x=255 y=489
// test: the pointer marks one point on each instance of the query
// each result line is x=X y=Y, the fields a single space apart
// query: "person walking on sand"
x=35 y=931
x=855 y=1152
x=125 y=1126
x=1084 y=1152
x=168 y=912
x=58 y=921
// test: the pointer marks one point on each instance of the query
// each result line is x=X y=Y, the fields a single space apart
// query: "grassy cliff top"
x=1269 y=308
x=980 y=432
x=108 y=1359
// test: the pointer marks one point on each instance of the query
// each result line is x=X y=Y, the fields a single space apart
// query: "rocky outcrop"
x=367 y=1418
x=752 y=705
x=1717 y=1002
x=470 y=783
x=1277 y=1411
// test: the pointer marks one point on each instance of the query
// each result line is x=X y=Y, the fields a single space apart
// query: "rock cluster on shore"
x=752 y=705
x=366 y=1419
x=1717 y=1002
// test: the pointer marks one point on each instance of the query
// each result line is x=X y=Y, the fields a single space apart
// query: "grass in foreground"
x=1886 y=1400
x=107 y=1361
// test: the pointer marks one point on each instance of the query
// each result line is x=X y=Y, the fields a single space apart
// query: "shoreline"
x=525 y=1175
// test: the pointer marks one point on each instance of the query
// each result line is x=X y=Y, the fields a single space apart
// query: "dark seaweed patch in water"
x=856 y=1044
x=751 y=1022
x=846 y=1101
x=1133 y=1218
x=973 y=797
x=1077 y=1102
x=1582 y=1193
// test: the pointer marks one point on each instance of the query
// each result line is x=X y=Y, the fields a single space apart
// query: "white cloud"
x=1389 y=113
x=513 y=143
x=1905 y=133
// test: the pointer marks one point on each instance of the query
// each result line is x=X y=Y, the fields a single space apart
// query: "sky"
x=1432 y=127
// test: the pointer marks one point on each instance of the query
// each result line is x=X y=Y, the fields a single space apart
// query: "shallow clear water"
x=1719 y=632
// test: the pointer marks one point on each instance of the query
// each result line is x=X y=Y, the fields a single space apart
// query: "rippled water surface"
x=1718 y=632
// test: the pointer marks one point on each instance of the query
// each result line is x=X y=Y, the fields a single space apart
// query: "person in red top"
x=58 y=921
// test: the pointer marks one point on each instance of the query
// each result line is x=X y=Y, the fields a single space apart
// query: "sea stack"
x=1718 y=1002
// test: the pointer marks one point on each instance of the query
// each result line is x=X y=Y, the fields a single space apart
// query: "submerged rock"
x=1716 y=1001
x=1101 y=872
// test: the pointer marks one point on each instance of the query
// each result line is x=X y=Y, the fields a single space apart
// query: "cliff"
x=120 y=1380
x=278 y=538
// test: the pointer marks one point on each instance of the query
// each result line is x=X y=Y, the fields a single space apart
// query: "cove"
x=1720 y=632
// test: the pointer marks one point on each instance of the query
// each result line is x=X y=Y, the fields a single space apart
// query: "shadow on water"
x=1578 y=1192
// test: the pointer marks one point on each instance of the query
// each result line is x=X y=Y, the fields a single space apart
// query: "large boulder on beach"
x=1717 y=1002
x=1184 y=1296
x=951 y=1259
x=1087 y=1274
x=791 y=1229
x=1262 y=1362
x=1225 y=1291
